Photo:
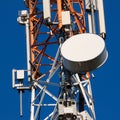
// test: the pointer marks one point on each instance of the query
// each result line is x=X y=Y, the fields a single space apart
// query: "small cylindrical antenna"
x=21 y=113
x=101 y=16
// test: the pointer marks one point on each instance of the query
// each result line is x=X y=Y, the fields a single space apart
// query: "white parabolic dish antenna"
x=83 y=52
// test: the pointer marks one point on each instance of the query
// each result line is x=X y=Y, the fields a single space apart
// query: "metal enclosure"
x=66 y=18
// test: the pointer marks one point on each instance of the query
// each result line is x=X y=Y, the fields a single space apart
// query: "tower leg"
x=32 y=106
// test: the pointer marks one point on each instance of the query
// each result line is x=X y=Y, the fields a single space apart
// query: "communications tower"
x=64 y=43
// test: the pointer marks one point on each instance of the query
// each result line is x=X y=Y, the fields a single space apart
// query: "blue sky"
x=105 y=86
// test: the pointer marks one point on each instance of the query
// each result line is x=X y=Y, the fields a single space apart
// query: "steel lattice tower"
x=58 y=92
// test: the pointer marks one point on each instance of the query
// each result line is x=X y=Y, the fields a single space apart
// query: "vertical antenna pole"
x=29 y=69
x=92 y=16
x=21 y=113
x=89 y=23
x=28 y=49
x=101 y=17
x=32 y=106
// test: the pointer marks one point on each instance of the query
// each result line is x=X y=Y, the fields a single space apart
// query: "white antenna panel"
x=46 y=9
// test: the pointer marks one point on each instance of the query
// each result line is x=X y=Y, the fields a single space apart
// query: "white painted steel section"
x=47 y=92
x=87 y=96
x=82 y=89
x=28 y=49
x=45 y=105
x=91 y=99
x=32 y=109
x=48 y=117
x=43 y=89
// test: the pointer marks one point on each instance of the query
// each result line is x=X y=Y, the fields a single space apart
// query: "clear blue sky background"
x=106 y=85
